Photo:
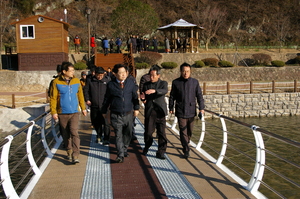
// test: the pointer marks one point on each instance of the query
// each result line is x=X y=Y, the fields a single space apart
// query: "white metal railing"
x=46 y=127
x=260 y=160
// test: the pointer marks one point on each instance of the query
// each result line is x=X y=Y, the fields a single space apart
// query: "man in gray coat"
x=184 y=92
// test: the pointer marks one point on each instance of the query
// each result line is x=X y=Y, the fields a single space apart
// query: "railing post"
x=273 y=86
x=295 y=85
x=259 y=168
x=13 y=101
x=251 y=87
x=228 y=88
x=7 y=184
x=204 y=88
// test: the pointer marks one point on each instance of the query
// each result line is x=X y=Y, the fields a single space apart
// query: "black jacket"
x=185 y=92
x=95 y=90
x=156 y=100
x=121 y=101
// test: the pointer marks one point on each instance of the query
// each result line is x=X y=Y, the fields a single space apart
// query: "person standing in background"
x=111 y=45
x=155 y=44
x=93 y=44
x=119 y=44
x=77 y=44
x=167 y=45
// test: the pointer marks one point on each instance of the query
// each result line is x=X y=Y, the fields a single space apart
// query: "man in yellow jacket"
x=65 y=99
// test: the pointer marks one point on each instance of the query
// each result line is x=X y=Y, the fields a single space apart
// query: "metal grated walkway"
x=98 y=183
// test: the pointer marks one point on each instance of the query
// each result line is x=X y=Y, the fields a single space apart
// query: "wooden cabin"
x=42 y=43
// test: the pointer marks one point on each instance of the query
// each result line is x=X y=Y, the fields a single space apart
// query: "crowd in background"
x=137 y=43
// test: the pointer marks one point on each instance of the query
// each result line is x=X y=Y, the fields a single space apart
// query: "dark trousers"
x=118 y=49
x=159 y=123
x=69 y=127
x=100 y=123
x=185 y=129
x=122 y=125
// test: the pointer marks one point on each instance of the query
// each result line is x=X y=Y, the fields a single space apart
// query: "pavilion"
x=182 y=28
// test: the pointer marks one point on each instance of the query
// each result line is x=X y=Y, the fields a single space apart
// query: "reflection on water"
x=288 y=127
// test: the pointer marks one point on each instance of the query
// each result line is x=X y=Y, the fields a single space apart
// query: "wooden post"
x=228 y=88
x=295 y=85
x=251 y=87
x=273 y=86
x=204 y=88
x=13 y=101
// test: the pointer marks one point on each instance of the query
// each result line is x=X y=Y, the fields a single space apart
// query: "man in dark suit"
x=184 y=92
x=153 y=96
x=122 y=99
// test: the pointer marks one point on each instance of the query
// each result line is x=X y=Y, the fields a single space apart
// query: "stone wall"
x=254 y=105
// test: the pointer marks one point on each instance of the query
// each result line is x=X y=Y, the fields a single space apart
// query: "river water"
x=288 y=127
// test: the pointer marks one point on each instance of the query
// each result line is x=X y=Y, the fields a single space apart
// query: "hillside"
x=267 y=22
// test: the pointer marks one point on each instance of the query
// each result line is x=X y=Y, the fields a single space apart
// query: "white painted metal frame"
x=258 y=172
x=8 y=187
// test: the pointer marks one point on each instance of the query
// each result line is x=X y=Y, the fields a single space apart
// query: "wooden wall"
x=50 y=36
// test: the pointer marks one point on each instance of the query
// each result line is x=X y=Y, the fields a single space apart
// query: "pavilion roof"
x=180 y=23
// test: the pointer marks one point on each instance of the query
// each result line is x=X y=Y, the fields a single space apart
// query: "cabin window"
x=27 y=32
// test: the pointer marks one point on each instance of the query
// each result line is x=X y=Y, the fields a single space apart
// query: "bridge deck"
x=98 y=176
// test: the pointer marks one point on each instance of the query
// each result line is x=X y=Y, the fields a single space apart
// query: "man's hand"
x=135 y=113
x=150 y=91
x=88 y=103
x=55 y=117
x=84 y=112
x=200 y=114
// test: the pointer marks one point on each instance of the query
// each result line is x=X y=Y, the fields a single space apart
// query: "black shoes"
x=120 y=159
x=186 y=154
x=133 y=137
x=145 y=151
x=159 y=156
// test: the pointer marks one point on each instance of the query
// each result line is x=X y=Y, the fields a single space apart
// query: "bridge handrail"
x=46 y=128
x=260 y=160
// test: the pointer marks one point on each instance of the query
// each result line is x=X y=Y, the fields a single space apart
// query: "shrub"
x=169 y=65
x=297 y=60
x=225 y=64
x=149 y=57
x=262 y=59
x=142 y=65
x=80 y=65
x=247 y=62
x=210 y=61
x=277 y=63
x=199 y=64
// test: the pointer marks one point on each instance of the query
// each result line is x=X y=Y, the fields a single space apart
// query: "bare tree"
x=5 y=15
x=212 y=19
x=280 y=28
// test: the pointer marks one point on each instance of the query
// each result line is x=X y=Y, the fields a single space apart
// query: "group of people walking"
x=113 y=99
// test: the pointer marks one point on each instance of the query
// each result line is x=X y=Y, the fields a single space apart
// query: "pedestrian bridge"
x=48 y=174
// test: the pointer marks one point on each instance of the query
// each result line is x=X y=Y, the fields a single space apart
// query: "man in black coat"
x=94 y=92
x=185 y=91
x=153 y=96
x=122 y=99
